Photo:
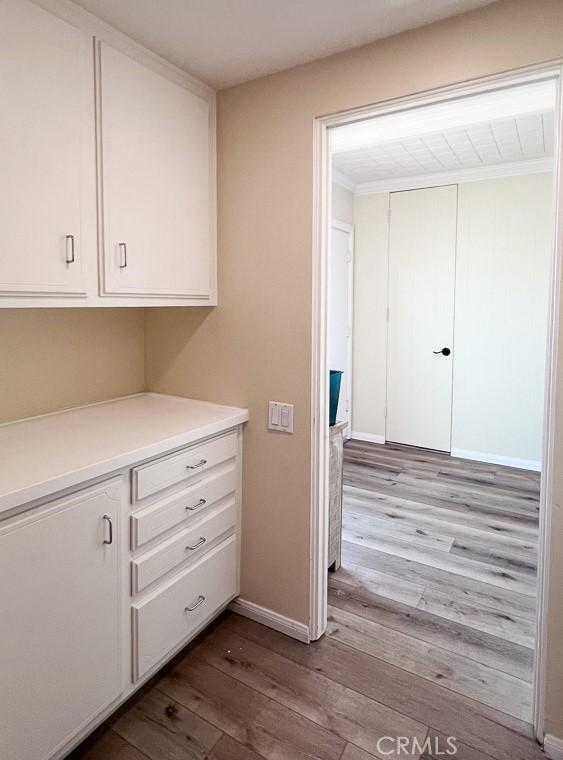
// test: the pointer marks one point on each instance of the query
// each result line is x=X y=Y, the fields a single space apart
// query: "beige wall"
x=55 y=358
x=257 y=344
x=371 y=240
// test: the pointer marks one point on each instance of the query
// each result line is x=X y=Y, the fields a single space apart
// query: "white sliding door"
x=422 y=249
x=340 y=314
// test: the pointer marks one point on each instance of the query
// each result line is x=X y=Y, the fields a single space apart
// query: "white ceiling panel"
x=457 y=135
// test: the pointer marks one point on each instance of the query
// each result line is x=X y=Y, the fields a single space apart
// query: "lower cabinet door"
x=176 y=611
x=59 y=621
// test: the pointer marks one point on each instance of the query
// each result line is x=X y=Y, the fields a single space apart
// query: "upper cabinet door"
x=47 y=92
x=156 y=168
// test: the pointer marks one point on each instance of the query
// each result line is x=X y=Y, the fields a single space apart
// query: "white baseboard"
x=271 y=619
x=553 y=747
x=481 y=456
x=369 y=437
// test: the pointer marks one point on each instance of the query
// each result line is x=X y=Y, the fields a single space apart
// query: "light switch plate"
x=280 y=416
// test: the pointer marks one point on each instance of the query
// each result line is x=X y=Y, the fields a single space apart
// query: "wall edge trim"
x=553 y=747
x=293 y=628
x=483 y=456
x=369 y=437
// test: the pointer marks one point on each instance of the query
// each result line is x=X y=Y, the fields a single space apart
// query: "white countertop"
x=42 y=455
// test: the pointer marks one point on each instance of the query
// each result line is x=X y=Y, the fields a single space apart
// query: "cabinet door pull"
x=195 y=466
x=200 y=503
x=109 y=522
x=201 y=541
x=122 y=255
x=70 y=259
x=200 y=600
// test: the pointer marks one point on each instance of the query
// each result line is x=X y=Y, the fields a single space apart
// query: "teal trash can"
x=335 y=379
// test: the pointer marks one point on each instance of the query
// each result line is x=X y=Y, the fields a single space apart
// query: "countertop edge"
x=52 y=486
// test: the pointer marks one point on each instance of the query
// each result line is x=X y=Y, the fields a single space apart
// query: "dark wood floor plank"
x=105 y=744
x=163 y=729
x=345 y=712
x=450 y=670
x=475 y=724
x=492 y=651
x=254 y=720
x=229 y=749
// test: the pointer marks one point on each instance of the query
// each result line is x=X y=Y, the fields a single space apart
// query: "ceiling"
x=225 y=42
x=504 y=128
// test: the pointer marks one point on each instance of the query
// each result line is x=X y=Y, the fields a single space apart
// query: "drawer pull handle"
x=200 y=600
x=200 y=503
x=70 y=259
x=110 y=524
x=201 y=541
x=195 y=466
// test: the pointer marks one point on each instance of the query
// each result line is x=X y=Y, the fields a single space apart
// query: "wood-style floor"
x=430 y=634
x=439 y=570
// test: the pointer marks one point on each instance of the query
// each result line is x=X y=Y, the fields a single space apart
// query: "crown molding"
x=456 y=176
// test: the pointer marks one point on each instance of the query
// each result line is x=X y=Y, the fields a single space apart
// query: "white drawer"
x=180 y=507
x=175 y=612
x=171 y=470
x=187 y=544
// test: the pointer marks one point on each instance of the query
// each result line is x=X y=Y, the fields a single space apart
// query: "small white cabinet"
x=156 y=152
x=60 y=624
x=46 y=153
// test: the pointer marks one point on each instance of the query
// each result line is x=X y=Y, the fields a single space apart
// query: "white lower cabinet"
x=101 y=587
x=178 y=609
x=60 y=626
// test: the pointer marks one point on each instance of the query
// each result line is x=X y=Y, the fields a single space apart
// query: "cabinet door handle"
x=110 y=524
x=200 y=503
x=122 y=255
x=70 y=259
x=201 y=541
x=195 y=466
x=200 y=600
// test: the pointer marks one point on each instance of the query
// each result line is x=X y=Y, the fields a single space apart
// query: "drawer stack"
x=184 y=545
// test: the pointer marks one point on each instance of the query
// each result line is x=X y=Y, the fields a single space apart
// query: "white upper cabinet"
x=46 y=79
x=156 y=159
x=107 y=155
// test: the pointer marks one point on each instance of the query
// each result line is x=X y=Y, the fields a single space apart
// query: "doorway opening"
x=436 y=217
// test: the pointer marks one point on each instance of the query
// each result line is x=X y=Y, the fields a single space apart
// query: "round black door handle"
x=444 y=351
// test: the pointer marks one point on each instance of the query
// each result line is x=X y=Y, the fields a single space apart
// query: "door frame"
x=322 y=178
x=349 y=230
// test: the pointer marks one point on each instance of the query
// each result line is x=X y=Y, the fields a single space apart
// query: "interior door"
x=422 y=248
x=156 y=182
x=60 y=620
x=340 y=314
x=46 y=79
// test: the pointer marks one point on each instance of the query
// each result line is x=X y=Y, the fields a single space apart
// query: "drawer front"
x=180 y=507
x=174 y=613
x=187 y=544
x=169 y=471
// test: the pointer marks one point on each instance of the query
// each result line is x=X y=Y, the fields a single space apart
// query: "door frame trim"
x=322 y=179
x=348 y=229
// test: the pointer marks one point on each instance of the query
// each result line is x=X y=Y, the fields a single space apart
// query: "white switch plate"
x=280 y=416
